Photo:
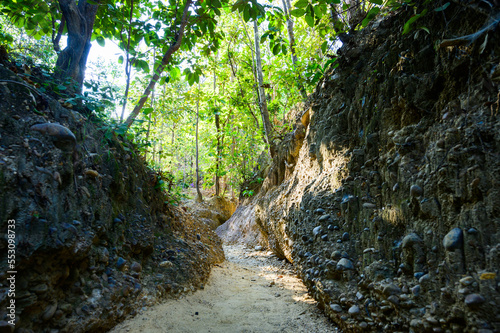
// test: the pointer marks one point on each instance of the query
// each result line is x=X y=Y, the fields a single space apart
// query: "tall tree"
x=254 y=75
x=199 y=197
x=128 y=63
x=262 y=94
x=218 y=134
x=176 y=44
x=79 y=19
x=291 y=38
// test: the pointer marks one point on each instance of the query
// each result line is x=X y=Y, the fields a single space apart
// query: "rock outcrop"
x=388 y=203
x=242 y=228
x=213 y=211
x=95 y=240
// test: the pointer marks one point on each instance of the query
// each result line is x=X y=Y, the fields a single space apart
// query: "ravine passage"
x=252 y=291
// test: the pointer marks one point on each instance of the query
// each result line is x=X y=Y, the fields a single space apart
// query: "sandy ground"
x=252 y=291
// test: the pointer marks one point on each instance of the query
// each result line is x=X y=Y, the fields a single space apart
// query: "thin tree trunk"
x=233 y=148
x=257 y=125
x=217 y=159
x=250 y=43
x=56 y=38
x=154 y=148
x=147 y=138
x=291 y=37
x=199 y=197
x=128 y=64
x=254 y=72
x=149 y=122
x=262 y=94
x=164 y=62
x=183 y=170
x=71 y=62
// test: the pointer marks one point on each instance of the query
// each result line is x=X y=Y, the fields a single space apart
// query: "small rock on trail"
x=240 y=296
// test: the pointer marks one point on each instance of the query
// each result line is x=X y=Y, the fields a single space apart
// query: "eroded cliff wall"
x=389 y=201
x=95 y=238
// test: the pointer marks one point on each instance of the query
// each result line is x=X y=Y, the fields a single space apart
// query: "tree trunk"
x=199 y=197
x=154 y=148
x=242 y=91
x=262 y=94
x=149 y=123
x=217 y=161
x=255 y=78
x=164 y=62
x=128 y=63
x=71 y=61
x=291 y=37
x=233 y=147
x=147 y=139
x=355 y=13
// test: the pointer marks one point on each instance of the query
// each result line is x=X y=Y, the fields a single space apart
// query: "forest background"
x=201 y=87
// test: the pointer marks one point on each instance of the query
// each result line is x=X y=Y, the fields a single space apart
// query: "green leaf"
x=276 y=49
x=301 y=4
x=323 y=46
x=328 y=63
x=145 y=66
x=407 y=26
x=30 y=25
x=61 y=87
x=100 y=41
x=120 y=59
x=309 y=20
x=319 y=10
x=263 y=37
x=238 y=5
x=216 y=4
x=443 y=7
x=284 y=49
x=310 y=11
x=38 y=18
x=425 y=29
x=175 y=73
x=246 y=13
x=191 y=79
x=298 y=12
x=377 y=2
x=254 y=13
x=370 y=16
x=147 y=111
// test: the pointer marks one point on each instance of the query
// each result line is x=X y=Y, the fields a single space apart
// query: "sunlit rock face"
x=386 y=196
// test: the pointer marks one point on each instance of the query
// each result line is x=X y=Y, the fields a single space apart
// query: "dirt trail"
x=252 y=291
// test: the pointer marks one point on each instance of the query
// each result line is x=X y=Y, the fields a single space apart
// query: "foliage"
x=5 y=37
x=214 y=67
x=24 y=48
x=165 y=182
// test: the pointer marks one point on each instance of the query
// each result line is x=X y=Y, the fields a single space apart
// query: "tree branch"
x=57 y=38
x=164 y=62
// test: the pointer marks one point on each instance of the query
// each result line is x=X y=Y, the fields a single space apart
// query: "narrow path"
x=252 y=291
